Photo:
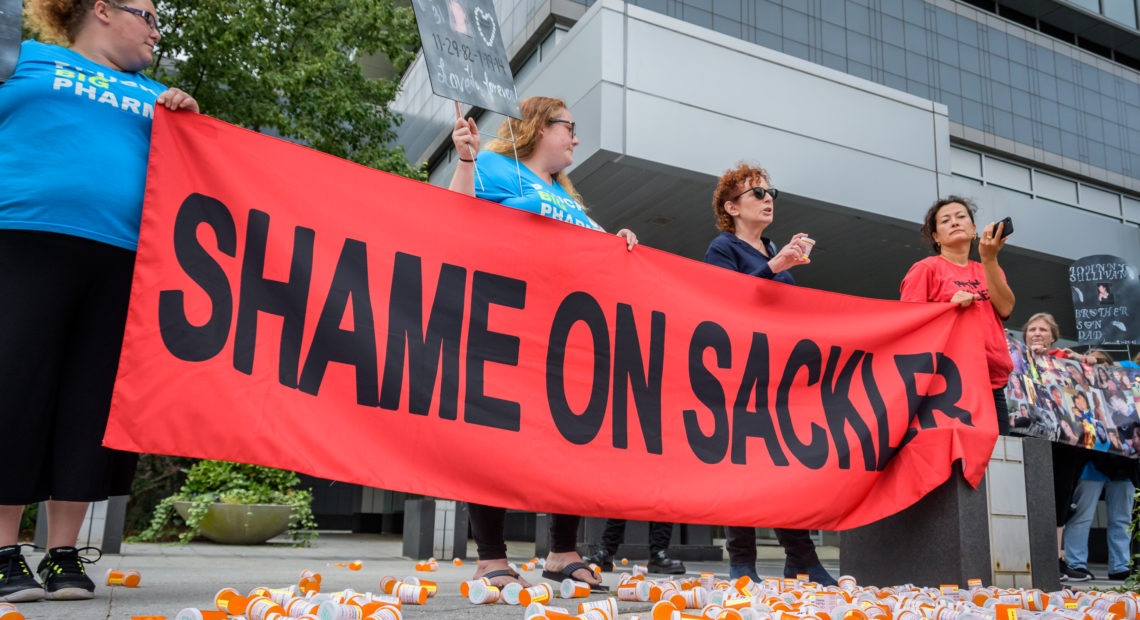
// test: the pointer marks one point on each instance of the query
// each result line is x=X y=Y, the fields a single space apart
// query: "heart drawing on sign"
x=485 y=23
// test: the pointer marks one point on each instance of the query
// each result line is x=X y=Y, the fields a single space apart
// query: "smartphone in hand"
x=1007 y=227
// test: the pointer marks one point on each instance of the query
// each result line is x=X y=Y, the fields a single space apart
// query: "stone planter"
x=241 y=524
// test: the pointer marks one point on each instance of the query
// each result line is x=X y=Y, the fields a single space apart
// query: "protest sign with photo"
x=1104 y=289
x=465 y=56
x=1093 y=407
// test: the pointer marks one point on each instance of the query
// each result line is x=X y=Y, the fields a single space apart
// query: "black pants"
x=614 y=535
x=487 y=523
x=799 y=549
x=1002 y=411
x=1068 y=464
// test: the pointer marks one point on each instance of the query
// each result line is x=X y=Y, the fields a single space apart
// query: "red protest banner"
x=294 y=310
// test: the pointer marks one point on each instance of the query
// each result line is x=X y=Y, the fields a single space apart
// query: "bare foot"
x=555 y=562
x=492 y=566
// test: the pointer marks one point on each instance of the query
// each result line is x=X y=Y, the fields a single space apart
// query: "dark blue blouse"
x=731 y=252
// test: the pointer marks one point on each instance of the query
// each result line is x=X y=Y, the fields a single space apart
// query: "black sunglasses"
x=150 y=18
x=569 y=124
x=760 y=192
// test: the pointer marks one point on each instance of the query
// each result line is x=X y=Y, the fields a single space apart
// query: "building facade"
x=863 y=111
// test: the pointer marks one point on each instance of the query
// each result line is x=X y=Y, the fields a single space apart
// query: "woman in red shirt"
x=952 y=276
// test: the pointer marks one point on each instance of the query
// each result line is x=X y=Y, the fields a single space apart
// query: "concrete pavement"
x=175 y=577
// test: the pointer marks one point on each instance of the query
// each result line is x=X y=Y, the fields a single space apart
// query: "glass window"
x=1018 y=50
x=948 y=78
x=768 y=16
x=1088 y=5
x=1018 y=76
x=1051 y=139
x=835 y=61
x=918 y=89
x=1050 y=112
x=1003 y=122
x=1123 y=11
x=1046 y=87
x=970 y=59
x=896 y=82
x=859 y=48
x=971 y=86
x=1094 y=128
x=1001 y=96
x=1066 y=92
x=833 y=13
x=968 y=31
x=1070 y=145
x=1096 y=154
x=952 y=102
x=947 y=23
x=1054 y=188
x=1043 y=60
x=917 y=68
x=1099 y=200
x=795 y=26
x=1021 y=101
x=858 y=18
x=859 y=69
x=995 y=41
x=727 y=8
x=892 y=7
x=797 y=49
x=972 y=113
x=999 y=68
x=1131 y=208
x=914 y=11
x=916 y=38
x=695 y=16
x=947 y=49
x=894 y=31
x=1006 y=174
x=834 y=39
x=1113 y=135
x=1113 y=158
x=1023 y=130
x=894 y=59
x=727 y=26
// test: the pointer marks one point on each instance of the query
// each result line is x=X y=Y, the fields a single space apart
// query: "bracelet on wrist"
x=470 y=161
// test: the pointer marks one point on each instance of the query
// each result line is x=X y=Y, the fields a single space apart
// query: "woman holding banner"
x=952 y=276
x=525 y=168
x=75 y=123
x=744 y=205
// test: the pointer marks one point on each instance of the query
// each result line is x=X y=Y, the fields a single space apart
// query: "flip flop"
x=502 y=572
x=567 y=572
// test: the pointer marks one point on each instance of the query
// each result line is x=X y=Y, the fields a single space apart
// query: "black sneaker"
x=1062 y=569
x=1068 y=573
x=1121 y=576
x=17 y=584
x=816 y=573
x=661 y=563
x=63 y=574
x=605 y=561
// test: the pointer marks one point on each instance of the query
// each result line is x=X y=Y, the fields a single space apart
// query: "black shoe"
x=1121 y=576
x=816 y=573
x=17 y=584
x=1068 y=573
x=605 y=561
x=63 y=574
x=1062 y=569
x=661 y=563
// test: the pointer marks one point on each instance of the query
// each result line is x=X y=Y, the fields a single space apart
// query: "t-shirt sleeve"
x=494 y=181
x=916 y=284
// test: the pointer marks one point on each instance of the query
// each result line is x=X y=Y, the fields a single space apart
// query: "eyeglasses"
x=760 y=192
x=150 y=18
x=569 y=124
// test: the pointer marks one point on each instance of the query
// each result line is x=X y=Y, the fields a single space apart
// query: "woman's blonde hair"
x=536 y=115
x=732 y=183
x=57 y=21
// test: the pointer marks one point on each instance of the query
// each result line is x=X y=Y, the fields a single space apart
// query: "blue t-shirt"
x=498 y=180
x=74 y=139
x=731 y=252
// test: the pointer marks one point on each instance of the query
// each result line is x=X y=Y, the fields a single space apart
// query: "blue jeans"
x=1118 y=503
